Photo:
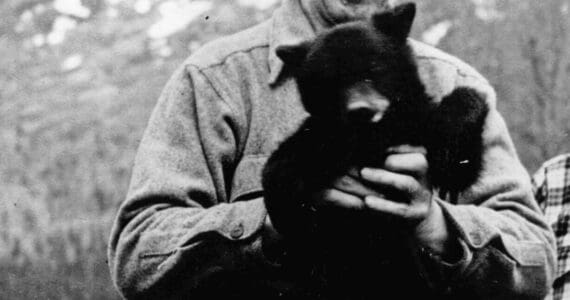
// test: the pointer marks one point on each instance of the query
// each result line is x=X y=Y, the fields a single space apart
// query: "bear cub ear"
x=293 y=56
x=396 y=22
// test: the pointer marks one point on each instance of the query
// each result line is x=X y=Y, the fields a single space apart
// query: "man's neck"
x=317 y=12
x=324 y=14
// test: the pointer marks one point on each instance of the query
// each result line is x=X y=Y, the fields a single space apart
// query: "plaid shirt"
x=552 y=190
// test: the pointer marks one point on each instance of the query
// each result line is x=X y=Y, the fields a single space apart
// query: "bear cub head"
x=361 y=78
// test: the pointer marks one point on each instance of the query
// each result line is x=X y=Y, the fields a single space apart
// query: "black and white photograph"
x=285 y=149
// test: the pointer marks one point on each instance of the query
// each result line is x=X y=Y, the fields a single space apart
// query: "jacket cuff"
x=267 y=249
x=239 y=221
x=249 y=228
x=439 y=272
x=469 y=228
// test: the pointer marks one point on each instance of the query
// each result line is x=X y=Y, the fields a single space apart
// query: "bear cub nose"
x=362 y=115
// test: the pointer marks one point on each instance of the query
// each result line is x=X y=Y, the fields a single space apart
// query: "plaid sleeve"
x=551 y=185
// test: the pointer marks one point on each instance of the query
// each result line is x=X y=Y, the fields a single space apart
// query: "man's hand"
x=404 y=179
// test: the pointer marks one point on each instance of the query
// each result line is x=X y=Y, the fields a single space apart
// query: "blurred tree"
x=76 y=94
x=521 y=47
x=544 y=48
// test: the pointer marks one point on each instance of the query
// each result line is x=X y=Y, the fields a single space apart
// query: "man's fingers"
x=414 y=164
x=390 y=181
x=402 y=149
x=388 y=207
x=333 y=198
x=354 y=186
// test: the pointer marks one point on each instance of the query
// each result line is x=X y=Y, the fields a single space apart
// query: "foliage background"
x=77 y=87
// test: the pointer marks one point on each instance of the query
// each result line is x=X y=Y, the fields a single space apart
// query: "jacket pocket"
x=246 y=183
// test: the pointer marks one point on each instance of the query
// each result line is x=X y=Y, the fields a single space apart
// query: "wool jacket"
x=194 y=224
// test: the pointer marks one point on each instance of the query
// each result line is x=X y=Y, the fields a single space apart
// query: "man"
x=194 y=223
x=552 y=190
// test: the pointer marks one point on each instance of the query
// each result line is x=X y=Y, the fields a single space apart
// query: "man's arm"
x=178 y=228
x=494 y=243
x=510 y=250
x=506 y=249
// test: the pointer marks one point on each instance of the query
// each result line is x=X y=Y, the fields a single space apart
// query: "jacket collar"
x=290 y=26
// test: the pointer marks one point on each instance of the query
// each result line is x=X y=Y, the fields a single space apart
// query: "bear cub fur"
x=360 y=85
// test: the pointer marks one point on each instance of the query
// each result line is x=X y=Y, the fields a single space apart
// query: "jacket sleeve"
x=178 y=227
x=508 y=249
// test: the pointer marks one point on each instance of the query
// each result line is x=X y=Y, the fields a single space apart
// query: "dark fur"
x=326 y=145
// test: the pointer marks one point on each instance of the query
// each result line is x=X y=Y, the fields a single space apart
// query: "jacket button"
x=237 y=231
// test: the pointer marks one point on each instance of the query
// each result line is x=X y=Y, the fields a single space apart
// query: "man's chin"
x=341 y=11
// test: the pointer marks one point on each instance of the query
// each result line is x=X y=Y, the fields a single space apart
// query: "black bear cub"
x=360 y=85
